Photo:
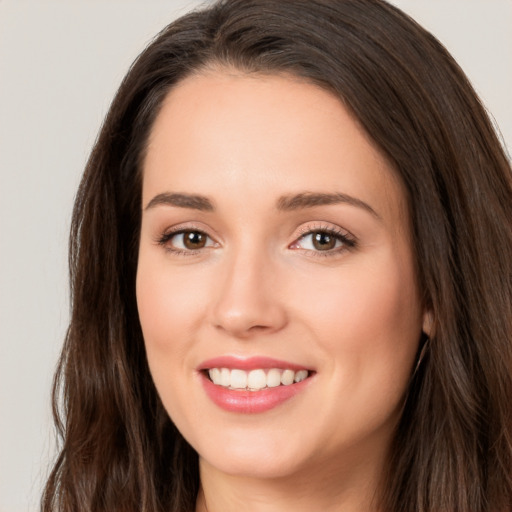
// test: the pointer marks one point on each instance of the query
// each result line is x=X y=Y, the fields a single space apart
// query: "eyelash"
x=348 y=242
x=169 y=235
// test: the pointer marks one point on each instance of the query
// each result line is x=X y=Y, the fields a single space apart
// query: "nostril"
x=258 y=328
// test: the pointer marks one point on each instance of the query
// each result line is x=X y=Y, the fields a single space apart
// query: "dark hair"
x=453 y=447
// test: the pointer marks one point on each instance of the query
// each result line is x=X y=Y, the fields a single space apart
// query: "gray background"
x=60 y=64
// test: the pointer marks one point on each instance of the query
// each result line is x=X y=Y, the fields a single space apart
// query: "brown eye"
x=323 y=241
x=185 y=241
x=326 y=241
x=194 y=240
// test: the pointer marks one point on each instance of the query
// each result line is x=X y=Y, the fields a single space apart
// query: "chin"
x=254 y=467
x=254 y=458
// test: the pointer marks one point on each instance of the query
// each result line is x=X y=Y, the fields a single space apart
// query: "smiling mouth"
x=257 y=379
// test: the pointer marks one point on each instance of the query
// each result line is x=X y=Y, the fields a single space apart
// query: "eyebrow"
x=192 y=201
x=312 y=199
x=290 y=202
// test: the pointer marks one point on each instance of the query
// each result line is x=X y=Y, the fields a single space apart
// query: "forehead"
x=263 y=136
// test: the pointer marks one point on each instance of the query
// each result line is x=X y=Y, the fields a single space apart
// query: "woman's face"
x=275 y=246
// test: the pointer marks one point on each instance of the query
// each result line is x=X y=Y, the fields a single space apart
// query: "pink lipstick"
x=252 y=385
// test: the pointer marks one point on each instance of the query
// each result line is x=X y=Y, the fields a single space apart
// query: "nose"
x=249 y=301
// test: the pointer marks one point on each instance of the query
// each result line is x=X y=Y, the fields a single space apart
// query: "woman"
x=291 y=275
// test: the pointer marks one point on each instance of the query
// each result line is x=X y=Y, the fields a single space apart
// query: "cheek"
x=166 y=317
x=368 y=326
x=168 y=303
x=369 y=316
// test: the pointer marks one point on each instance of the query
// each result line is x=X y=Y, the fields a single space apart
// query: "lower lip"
x=251 y=402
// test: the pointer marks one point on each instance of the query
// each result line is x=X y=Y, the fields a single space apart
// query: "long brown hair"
x=453 y=446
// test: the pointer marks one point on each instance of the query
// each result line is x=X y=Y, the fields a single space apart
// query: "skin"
x=259 y=287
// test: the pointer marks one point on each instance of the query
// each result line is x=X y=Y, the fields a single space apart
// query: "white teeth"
x=225 y=377
x=301 y=375
x=238 y=379
x=287 y=377
x=215 y=375
x=273 y=378
x=255 y=379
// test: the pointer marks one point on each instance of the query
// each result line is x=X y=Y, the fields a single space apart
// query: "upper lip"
x=249 y=363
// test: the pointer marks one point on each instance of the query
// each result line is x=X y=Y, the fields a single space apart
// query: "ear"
x=428 y=322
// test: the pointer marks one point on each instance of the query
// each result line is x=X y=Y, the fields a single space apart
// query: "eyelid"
x=324 y=226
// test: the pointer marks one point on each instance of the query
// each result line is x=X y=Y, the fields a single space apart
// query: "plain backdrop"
x=60 y=64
